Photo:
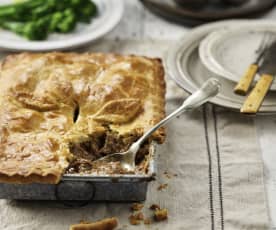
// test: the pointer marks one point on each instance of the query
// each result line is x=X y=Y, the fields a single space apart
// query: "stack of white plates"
x=223 y=50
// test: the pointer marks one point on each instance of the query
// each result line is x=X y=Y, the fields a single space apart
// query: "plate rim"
x=79 y=40
x=173 y=73
x=206 y=48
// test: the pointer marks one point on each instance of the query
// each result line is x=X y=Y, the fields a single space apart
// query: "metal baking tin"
x=85 y=188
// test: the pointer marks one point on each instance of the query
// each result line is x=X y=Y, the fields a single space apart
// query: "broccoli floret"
x=41 y=11
x=56 y=18
x=12 y=13
x=86 y=11
x=35 y=9
x=34 y=19
x=29 y=30
x=68 y=22
x=19 y=11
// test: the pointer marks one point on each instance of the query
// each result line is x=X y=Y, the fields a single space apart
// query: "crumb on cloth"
x=147 y=221
x=161 y=214
x=136 y=206
x=135 y=219
x=162 y=186
x=154 y=207
x=104 y=224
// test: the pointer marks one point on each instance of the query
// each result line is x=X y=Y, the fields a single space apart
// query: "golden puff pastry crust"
x=50 y=100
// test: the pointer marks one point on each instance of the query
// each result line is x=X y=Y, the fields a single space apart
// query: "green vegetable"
x=35 y=19
x=68 y=22
x=86 y=11
x=30 y=30
x=55 y=20
x=19 y=11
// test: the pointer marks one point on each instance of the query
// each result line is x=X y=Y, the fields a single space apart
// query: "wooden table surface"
x=139 y=23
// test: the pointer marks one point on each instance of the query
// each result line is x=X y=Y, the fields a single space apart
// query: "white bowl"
x=109 y=15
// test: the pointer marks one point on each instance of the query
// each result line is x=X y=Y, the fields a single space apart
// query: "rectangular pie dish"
x=59 y=112
x=75 y=187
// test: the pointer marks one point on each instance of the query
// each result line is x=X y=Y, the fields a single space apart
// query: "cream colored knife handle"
x=256 y=97
x=245 y=82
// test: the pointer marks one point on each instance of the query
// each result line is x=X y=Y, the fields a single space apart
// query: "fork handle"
x=202 y=95
x=246 y=80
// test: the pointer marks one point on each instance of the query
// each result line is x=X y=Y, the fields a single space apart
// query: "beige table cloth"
x=214 y=152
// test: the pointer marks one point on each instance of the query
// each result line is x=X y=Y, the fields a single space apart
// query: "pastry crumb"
x=154 y=207
x=140 y=216
x=135 y=219
x=104 y=224
x=147 y=221
x=136 y=206
x=162 y=187
x=161 y=214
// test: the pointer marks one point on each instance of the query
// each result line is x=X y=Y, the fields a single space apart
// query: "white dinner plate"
x=229 y=52
x=109 y=14
x=183 y=64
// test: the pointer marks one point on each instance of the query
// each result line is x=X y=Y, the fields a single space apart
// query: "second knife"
x=245 y=82
x=267 y=71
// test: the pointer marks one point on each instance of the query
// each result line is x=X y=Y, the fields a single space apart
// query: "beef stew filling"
x=85 y=154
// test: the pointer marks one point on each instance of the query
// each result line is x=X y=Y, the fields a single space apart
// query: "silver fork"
x=127 y=159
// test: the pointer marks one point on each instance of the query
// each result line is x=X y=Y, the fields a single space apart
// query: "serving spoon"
x=127 y=159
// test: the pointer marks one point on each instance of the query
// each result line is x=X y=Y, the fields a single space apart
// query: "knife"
x=267 y=71
x=245 y=82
